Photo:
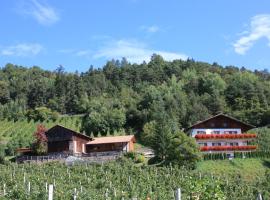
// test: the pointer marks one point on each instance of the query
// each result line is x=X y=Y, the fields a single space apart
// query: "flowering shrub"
x=40 y=144
x=228 y=148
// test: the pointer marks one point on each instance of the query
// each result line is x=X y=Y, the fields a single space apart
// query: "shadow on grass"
x=266 y=163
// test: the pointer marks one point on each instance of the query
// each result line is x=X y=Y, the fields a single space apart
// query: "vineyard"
x=25 y=129
x=123 y=180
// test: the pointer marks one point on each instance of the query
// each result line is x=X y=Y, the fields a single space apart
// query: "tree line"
x=124 y=96
x=156 y=100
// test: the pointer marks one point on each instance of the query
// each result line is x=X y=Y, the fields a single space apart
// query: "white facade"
x=194 y=132
x=219 y=142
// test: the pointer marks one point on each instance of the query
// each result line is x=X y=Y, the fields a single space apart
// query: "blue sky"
x=77 y=34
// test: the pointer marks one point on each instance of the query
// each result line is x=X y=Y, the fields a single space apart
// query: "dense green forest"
x=127 y=96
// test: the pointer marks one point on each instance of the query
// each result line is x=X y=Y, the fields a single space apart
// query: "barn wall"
x=79 y=144
x=56 y=134
x=58 y=146
x=131 y=146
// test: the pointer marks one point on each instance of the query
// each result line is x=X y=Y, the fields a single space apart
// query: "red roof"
x=112 y=139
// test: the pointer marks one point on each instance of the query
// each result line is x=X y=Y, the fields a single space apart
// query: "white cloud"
x=134 y=51
x=43 y=13
x=21 y=50
x=83 y=53
x=151 y=29
x=259 y=28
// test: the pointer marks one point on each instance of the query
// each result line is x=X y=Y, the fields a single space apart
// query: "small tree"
x=170 y=144
x=40 y=143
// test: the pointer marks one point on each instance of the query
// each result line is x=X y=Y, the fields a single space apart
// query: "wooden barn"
x=64 y=140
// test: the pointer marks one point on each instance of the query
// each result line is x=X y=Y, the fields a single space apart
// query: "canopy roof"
x=112 y=139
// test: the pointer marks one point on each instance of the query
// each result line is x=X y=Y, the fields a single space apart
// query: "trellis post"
x=178 y=194
x=259 y=197
x=75 y=194
x=4 y=189
x=50 y=192
x=29 y=187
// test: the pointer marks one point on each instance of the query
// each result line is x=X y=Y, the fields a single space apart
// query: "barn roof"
x=249 y=126
x=112 y=139
x=51 y=130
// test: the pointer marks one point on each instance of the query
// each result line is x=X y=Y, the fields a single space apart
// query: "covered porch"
x=111 y=144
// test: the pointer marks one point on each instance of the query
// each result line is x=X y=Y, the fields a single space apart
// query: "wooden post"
x=178 y=194
x=50 y=192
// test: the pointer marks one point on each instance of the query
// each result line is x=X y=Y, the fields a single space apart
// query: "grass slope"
x=249 y=169
x=9 y=129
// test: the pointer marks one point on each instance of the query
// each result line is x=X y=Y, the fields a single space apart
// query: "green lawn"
x=249 y=168
x=24 y=128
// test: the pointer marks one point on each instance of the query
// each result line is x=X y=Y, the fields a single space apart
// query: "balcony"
x=224 y=136
x=229 y=148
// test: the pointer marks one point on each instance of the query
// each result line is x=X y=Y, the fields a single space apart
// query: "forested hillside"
x=123 y=95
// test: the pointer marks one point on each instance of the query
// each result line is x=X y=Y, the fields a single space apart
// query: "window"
x=230 y=132
x=225 y=124
x=212 y=124
x=215 y=132
x=201 y=132
x=216 y=144
x=202 y=144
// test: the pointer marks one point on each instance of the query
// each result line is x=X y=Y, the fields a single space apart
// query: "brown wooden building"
x=222 y=121
x=64 y=140
x=61 y=139
x=115 y=143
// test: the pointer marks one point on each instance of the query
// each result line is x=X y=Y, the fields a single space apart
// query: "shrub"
x=140 y=158
x=130 y=155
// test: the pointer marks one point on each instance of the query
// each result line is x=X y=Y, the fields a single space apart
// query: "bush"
x=136 y=157
x=140 y=158
x=130 y=155
x=42 y=114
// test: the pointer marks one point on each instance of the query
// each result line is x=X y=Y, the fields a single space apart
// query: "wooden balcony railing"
x=228 y=148
x=224 y=136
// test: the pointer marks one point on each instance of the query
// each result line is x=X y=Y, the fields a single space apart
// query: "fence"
x=95 y=157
